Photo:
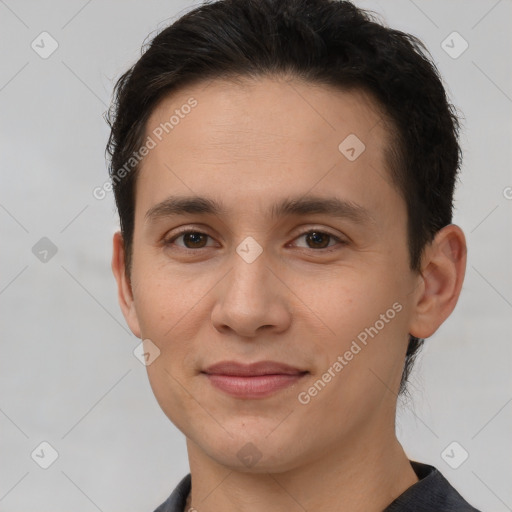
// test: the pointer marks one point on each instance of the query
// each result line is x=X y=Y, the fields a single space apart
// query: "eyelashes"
x=171 y=240
x=197 y=238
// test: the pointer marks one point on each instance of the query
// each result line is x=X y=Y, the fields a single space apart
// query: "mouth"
x=256 y=380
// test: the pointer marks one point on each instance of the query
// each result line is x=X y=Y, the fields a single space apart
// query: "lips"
x=250 y=381
x=234 y=368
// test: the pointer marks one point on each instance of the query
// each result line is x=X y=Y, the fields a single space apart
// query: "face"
x=295 y=253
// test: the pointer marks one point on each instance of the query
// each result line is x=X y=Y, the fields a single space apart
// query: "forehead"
x=266 y=108
x=265 y=137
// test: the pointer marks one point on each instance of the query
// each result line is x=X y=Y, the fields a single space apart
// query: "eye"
x=191 y=239
x=316 y=239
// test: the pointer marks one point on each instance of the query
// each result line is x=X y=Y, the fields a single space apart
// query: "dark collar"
x=432 y=493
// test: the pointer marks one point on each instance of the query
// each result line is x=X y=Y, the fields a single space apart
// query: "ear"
x=442 y=274
x=124 y=287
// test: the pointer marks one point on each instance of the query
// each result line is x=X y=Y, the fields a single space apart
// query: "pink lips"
x=256 y=380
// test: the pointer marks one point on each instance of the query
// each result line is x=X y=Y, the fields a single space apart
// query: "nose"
x=251 y=299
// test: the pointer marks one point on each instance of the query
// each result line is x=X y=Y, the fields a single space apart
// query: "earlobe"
x=124 y=288
x=443 y=270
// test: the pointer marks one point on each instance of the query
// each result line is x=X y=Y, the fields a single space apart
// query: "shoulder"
x=177 y=500
x=431 y=492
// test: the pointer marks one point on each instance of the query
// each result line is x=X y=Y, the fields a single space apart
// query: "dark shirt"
x=432 y=493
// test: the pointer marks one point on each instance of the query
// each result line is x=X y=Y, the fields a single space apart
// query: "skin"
x=249 y=145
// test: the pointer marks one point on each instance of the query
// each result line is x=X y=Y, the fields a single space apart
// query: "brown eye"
x=320 y=241
x=191 y=240
x=317 y=240
x=196 y=240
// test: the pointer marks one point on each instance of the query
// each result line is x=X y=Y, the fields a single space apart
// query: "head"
x=252 y=115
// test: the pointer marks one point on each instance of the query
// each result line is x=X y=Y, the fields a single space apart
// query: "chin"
x=260 y=453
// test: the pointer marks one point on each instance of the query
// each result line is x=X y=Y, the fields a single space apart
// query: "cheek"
x=169 y=318
x=345 y=301
x=360 y=319
x=165 y=299
x=153 y=303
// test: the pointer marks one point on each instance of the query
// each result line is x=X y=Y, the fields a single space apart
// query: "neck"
x=360 y=476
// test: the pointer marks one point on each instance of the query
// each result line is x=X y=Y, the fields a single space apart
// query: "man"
x=284 y=174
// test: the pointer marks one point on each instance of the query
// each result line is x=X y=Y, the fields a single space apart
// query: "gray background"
x=68 y=375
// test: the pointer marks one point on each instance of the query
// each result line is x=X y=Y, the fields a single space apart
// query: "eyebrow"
x=299 y=206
